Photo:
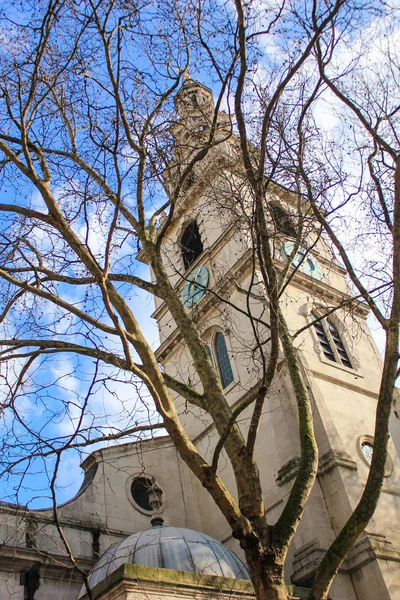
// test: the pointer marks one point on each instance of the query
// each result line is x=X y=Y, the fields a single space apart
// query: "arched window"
x=191 y=244
x=331 y=343
x=282 y=221
x=210 y=354
x=223 y=361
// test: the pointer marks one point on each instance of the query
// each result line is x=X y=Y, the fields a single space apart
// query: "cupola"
x=174 y=548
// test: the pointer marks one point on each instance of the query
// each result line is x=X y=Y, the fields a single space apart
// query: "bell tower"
x=209 y=256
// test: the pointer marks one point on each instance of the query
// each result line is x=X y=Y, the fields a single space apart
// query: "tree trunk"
x=266 y=575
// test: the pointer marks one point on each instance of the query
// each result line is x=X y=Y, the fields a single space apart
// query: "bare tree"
x=95 y=173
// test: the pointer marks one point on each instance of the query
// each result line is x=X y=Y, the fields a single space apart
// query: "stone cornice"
x=207 y=255
x=179 y=584
x=344 y=383
x=288 y=471
x=40 y=517
x=225 y=286
x=15 y=558
x=207 y=303
x=327 y=463
x=369 y=548
x=211 y=426
x=331 y=460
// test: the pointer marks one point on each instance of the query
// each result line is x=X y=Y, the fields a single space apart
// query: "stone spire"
x=194 y=102
x=195 y=108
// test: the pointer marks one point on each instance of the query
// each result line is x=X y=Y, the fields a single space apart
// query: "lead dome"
x=175 y=548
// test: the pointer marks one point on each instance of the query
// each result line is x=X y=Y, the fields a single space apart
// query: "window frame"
x=318 y=320
x=128 y=486
x=220 y=360
x=369 y=439
x=210 y=345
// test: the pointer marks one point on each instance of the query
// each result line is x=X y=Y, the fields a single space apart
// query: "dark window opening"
x=31 y=581
x=191 y=244
x=331 y=343
x=96 y=543
x=224 y=363
x=140 y=489
x=189 y=181
x=282 y=221
x=339 y=345
x=323 y=339
x=193 y=98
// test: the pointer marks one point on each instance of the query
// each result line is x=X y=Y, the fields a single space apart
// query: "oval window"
x=367 y=449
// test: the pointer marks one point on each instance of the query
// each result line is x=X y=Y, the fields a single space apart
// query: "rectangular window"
x=331 y=343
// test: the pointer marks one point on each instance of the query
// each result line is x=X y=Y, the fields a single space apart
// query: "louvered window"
x=331 y=343
x=339 y=345
x=224 y=363
x=191 y=244
x=282 y=221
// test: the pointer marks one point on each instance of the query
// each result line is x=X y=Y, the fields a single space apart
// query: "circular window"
x=140 y=488
x=365 y=447
x=145 y=494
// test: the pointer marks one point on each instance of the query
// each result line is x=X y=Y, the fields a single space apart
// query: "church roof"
x=175 y=548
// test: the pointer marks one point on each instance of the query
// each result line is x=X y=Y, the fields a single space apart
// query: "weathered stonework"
x=130 y=582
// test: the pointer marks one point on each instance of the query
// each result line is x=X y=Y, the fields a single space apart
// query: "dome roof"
x=170 y=548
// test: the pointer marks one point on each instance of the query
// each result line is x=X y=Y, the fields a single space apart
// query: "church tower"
x=209 y=256
x=210 y=260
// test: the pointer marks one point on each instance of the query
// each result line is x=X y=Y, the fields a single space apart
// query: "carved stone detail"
x=372 y=546
x=330 y=460
x=288 y=471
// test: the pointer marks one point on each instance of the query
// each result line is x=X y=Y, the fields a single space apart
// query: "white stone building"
x=208 y=245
